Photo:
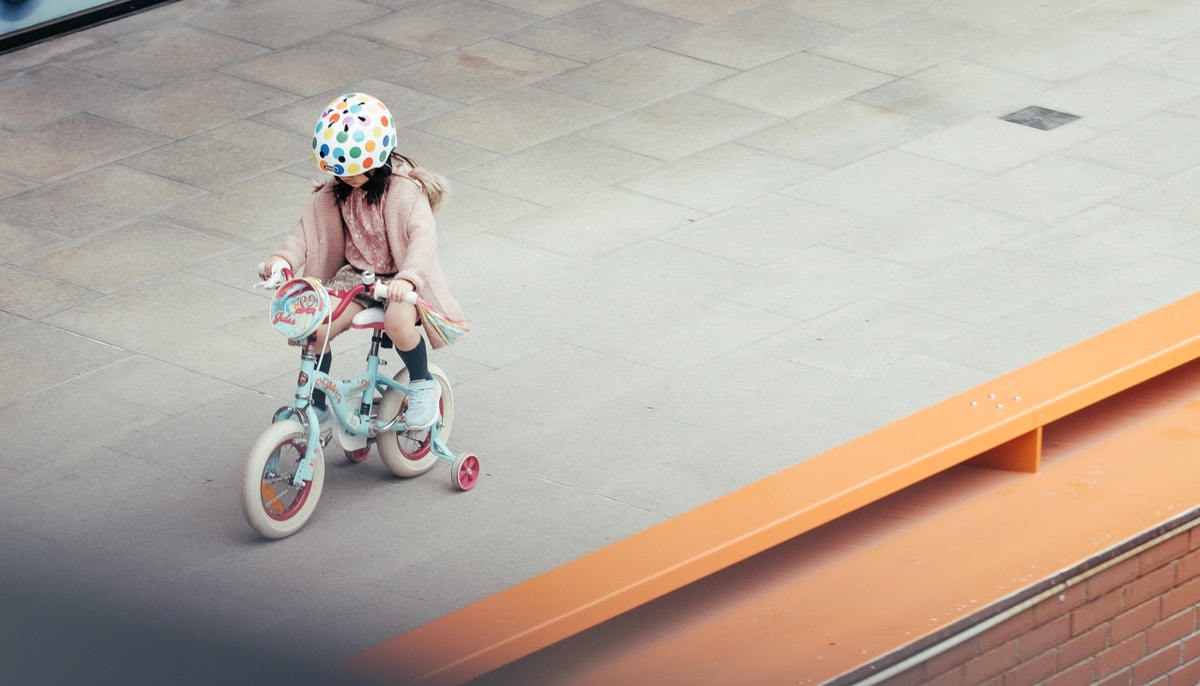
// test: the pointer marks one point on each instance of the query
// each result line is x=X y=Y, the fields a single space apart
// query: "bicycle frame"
x=284 y=473
x=339 y=394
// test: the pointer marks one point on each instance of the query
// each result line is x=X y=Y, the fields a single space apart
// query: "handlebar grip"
x=380 y=292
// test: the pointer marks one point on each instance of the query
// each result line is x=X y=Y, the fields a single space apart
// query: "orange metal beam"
x=1021 y=454
x=912 y=572
x=1000 y=420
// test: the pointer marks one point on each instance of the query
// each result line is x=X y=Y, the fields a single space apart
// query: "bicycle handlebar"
x=376 y=289
x=379 y=291
x=347 y=298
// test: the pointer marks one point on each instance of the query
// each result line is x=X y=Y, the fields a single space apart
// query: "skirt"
x=348 y=277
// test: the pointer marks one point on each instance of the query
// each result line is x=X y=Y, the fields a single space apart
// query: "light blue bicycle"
x=285 y=469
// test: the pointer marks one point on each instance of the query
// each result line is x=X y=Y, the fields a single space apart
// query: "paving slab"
x=697 y=241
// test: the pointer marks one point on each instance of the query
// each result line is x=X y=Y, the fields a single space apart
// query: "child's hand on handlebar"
x=274 y=274
x=398 y=288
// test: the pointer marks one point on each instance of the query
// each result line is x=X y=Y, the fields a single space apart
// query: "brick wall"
x=1132 y=623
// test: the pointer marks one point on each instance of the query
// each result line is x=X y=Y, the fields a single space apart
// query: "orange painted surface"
x=829 y=602
x=587 y=592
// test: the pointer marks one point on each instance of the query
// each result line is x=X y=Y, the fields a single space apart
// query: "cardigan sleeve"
x=315 y=244
x=293 y=247
x=413 y=234
x=417 y=252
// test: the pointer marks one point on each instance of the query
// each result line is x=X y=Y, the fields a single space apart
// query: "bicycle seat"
x=370 y=318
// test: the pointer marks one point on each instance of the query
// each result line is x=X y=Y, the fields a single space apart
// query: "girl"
x=375 y=214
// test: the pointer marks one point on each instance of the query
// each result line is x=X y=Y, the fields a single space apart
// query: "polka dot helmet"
x=354 y=135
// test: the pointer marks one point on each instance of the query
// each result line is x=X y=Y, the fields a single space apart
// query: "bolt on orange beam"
x=1004 y=414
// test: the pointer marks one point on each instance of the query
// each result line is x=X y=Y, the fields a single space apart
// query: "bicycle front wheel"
x=274 y=507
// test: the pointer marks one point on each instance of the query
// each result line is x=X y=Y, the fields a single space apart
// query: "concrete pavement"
x=697 y=242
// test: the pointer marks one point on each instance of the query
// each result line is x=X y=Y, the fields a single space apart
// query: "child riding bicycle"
x=375 y=214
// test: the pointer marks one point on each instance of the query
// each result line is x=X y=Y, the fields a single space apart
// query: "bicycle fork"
x=302 y=407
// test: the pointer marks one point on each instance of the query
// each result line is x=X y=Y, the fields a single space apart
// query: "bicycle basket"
x=299 y=307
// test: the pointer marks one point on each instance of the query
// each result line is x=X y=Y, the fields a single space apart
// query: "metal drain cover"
x=1040 y=118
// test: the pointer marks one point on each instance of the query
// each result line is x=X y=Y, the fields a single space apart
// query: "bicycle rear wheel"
x=409 y=453
x=273 y=506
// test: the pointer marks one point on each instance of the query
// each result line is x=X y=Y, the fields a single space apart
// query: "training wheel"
x=358 y=455
x=465 y=472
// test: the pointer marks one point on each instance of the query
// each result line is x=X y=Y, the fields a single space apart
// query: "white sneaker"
x=424 y=395
x=325 y=417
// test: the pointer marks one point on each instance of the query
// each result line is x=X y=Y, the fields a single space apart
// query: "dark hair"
x=377 y=181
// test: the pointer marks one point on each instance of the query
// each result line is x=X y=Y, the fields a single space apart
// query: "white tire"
x=409 y=453
x=272 y=505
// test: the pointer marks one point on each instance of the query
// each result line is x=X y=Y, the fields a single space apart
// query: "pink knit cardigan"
x=317 y=243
